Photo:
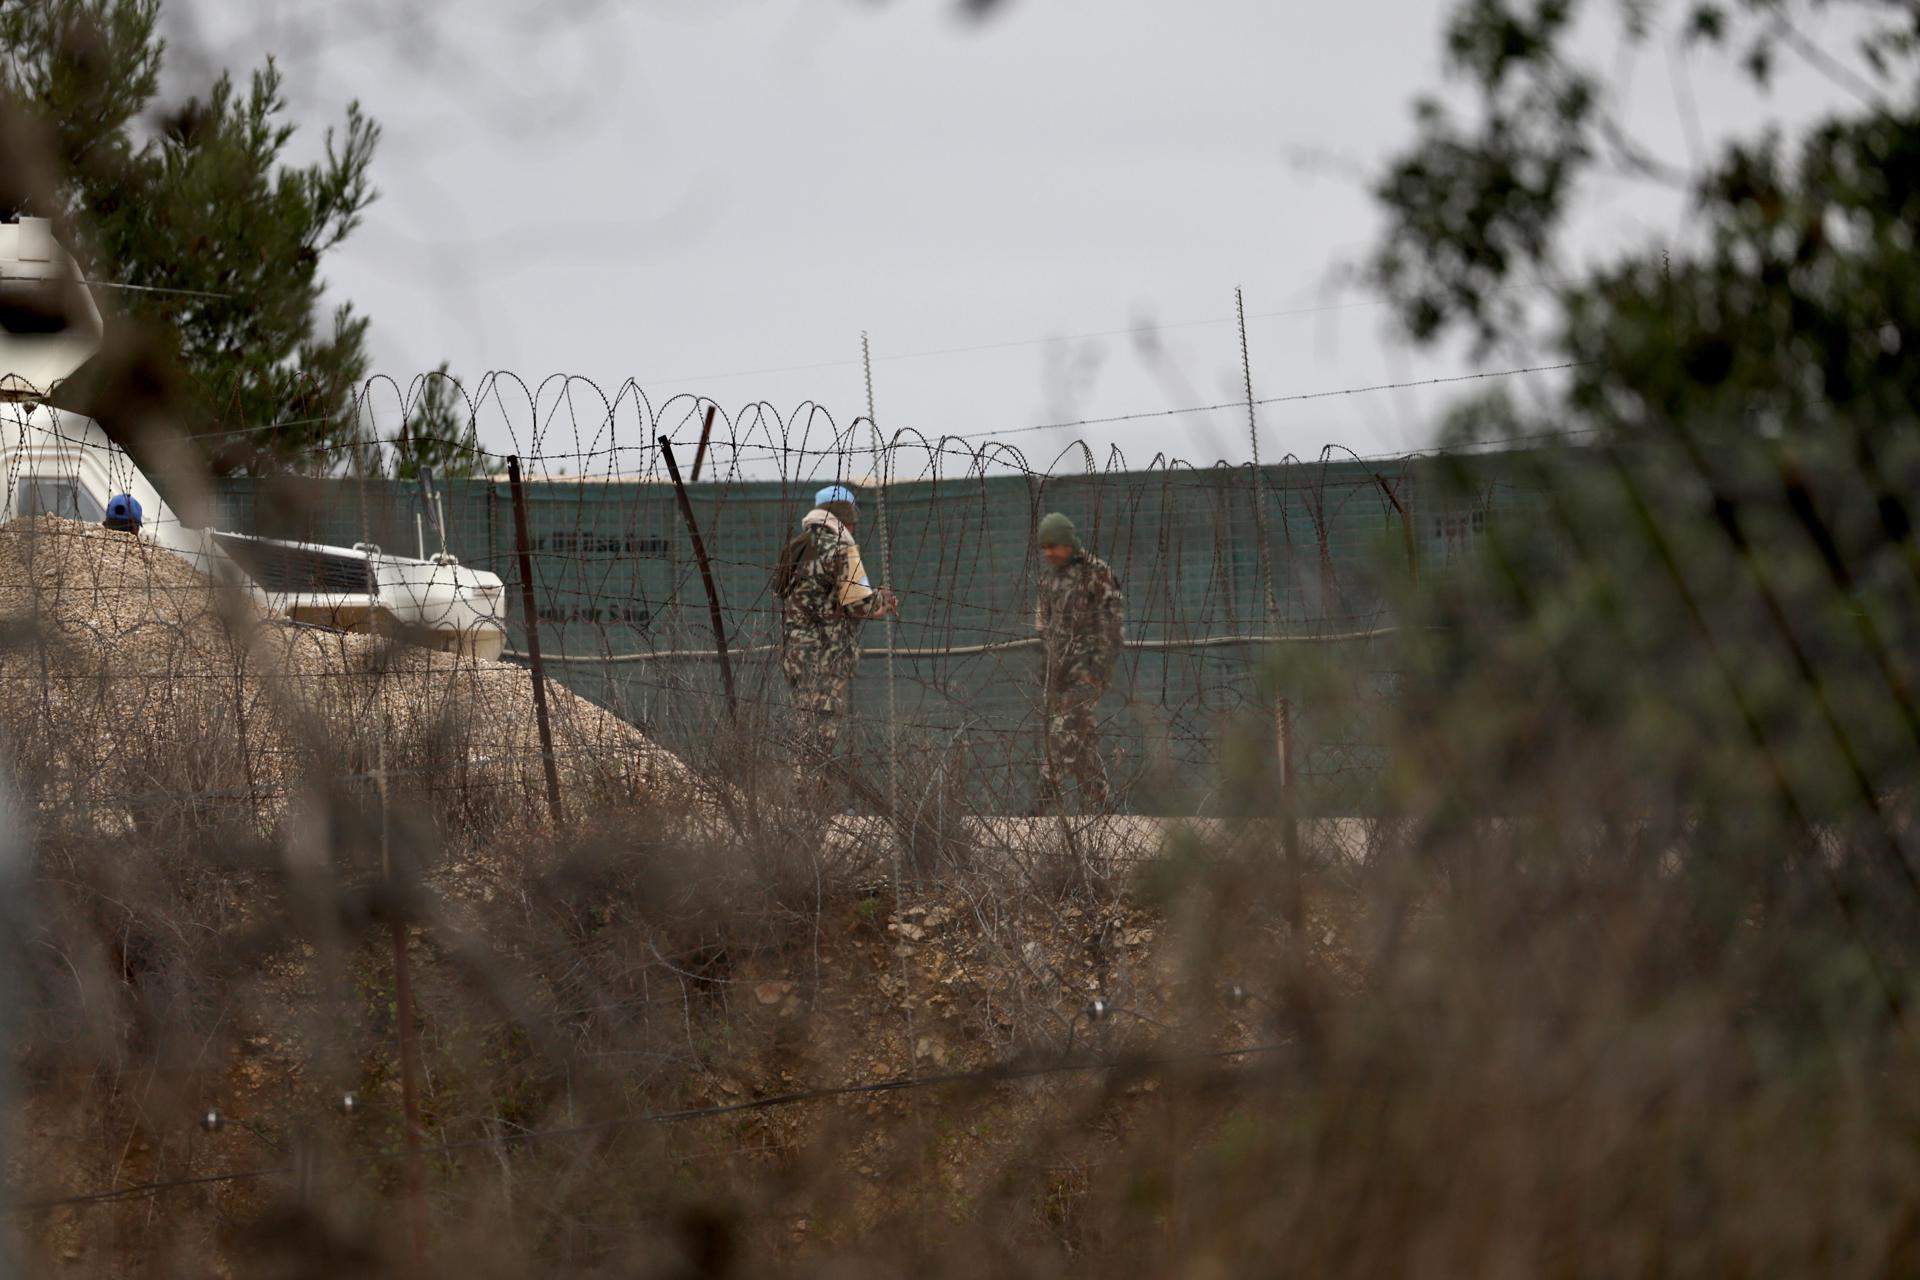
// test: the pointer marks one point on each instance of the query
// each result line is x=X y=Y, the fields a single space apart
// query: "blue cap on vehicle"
x=123 y=511
x=835 y=493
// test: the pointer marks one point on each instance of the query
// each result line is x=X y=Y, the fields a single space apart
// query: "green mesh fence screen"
x=624 y=617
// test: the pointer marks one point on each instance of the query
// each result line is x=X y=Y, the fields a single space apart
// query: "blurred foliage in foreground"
x=1701 y=668
x=193 y=207
x=1622 y=985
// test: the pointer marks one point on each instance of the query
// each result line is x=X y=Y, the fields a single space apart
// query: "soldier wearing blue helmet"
x=123 y=513
x=825 y=594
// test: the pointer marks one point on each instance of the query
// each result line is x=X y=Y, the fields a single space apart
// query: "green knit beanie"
x=1057 y=531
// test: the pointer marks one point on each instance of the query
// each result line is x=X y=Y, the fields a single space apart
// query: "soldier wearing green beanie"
x=1057 y=531
x=1081 y=616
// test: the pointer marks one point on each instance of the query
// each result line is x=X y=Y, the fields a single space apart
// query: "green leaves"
x=1715 y=616
x=100 y=64
x=1491 y=40
x=205 y=206
x=1474 y=202
x=1707 y=24
x=1478 y=201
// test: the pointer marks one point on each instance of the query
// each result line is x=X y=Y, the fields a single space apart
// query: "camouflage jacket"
x=812 y=601
x=1081 y=616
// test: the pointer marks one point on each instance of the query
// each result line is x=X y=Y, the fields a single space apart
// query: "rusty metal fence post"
x=706 y=434
x=706 y=577
x=399 y=907
x=410 y=1091
x=1406 y=527
x=532 y=617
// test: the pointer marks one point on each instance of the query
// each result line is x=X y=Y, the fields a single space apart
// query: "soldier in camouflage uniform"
x=1081 y=617
x=826 y=596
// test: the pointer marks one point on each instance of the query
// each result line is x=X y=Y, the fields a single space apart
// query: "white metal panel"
x=34 y=240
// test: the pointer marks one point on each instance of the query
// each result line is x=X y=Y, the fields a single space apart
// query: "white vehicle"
x=60 y=463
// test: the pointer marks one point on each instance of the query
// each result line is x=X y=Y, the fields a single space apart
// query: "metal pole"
x=900 y=847
x=1259 y=489
x=1293 y=905
x=706 y=576
x=410 y=1091
x=880 y=462
x=1293 y=901
x=409 y=1042
x=424 y=474
x=532 y=617
x=16 y=920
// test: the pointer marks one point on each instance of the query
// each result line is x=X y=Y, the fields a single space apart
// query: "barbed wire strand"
x=1000 y=1074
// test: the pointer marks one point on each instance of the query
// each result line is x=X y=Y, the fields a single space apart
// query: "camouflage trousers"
x=820 y=676
x=1072 y=746
x=823 y=713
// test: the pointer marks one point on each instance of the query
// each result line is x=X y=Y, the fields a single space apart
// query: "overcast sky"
x=719 y=196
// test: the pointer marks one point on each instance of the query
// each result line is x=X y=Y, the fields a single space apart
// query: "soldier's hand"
x=889 y=604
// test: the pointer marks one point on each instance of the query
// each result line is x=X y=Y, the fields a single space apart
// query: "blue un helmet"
x=836 y=493
x=123 y=513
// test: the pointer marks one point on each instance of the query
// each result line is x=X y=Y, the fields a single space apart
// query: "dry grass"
x=1578 y=1038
